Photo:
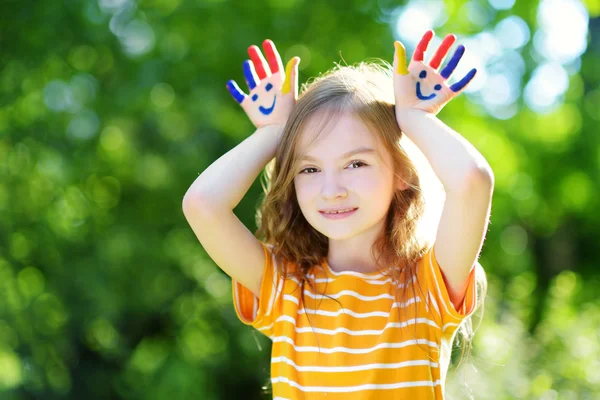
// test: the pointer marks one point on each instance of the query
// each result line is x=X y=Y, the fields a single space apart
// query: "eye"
x=357 y=162
x=437 y=87
x=254 y=97
x=423 y=74
x=302 y=172
x=351 y=163
x=268 y=87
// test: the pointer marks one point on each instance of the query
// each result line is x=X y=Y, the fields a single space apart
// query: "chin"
x=338 y=234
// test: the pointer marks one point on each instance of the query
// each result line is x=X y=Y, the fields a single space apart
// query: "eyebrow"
x=359 y=150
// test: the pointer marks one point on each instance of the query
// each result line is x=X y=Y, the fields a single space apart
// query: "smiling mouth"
x=420 y=95
x=267 y=111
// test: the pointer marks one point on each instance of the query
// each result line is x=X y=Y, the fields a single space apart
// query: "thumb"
x=291 y=77
x=400 y=59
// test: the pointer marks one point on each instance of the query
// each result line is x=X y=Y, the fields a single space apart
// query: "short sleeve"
x=256 y=312
x=438 y=298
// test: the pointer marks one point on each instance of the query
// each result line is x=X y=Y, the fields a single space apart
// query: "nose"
x=333 y=186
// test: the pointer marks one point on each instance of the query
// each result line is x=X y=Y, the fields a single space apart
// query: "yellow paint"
x=400 y=58
x=287 y=84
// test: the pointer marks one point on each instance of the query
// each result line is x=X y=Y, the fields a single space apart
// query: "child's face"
x=363 y=180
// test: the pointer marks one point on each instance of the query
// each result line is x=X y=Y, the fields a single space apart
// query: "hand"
x=273 y=92
x=420 y=86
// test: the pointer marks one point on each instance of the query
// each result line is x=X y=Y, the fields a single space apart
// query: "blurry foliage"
x=109 y=109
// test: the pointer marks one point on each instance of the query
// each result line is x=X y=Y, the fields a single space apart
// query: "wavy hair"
x=366 y=91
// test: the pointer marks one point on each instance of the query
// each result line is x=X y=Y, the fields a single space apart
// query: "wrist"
x=407 y=111
x=404 y=114
x=276 y=129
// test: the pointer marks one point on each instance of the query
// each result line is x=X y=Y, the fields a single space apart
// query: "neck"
x=354 y=254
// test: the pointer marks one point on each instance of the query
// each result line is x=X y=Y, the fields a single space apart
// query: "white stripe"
x=448 y=325
x=350 y=293
x=278 y=287
x=287 y=318
x=358 y=333
x=354 y=368
x=434 y=302
x=357 y=274
x=369 y=281
x=290 y=298
x=348 y=389
x=340 y=349
x=265 y=328
x=355 y=314
x=237 y=302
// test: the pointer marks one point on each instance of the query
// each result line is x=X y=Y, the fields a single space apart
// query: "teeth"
x=338 y=212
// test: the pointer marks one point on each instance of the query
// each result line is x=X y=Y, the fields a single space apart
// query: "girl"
x=360 y=300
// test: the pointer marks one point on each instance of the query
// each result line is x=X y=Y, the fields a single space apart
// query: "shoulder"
x=282 y=265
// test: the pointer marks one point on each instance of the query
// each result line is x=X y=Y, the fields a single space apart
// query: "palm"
x=421 y=86
x=266 y=104
x=272 y=92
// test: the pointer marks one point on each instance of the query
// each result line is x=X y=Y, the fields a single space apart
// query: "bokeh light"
x=112 y=108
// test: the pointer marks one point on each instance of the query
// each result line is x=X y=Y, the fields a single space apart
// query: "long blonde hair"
x=366 y=91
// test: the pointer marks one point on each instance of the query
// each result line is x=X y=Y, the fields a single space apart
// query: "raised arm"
x=421 y=92
x=209 y=202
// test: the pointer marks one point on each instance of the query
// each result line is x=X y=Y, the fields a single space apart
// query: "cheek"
x=305 y=187
x=305 y=196
x=302 y=192
x=378 y=191
x=372 y=183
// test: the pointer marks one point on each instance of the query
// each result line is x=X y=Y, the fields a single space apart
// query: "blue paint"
x=235 y=91
x=267 y=111
x=254 y=97
x=420 y=95
x=464 y=81
x=453 y=62
x=268 y=87
x=249 y=74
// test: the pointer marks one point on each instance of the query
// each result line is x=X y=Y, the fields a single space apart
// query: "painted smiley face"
x=266 y=111
x=420 y=95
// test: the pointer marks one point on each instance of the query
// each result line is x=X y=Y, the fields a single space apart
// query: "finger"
x=249 y=74
x=449 y=69
x=295 y=78
x=235 y=91
x=258 y=60
x=400 y=59
x=291 y=77
x=442 y=51
x=272 y=56
x=422 y=46
x=458 y=86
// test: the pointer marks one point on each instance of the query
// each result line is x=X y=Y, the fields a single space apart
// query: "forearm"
x=225 y=182
x=453 y=159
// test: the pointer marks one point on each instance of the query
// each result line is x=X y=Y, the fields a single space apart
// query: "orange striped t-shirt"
x=365 y=349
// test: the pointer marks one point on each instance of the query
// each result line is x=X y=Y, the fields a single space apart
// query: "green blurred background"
x=109 y=109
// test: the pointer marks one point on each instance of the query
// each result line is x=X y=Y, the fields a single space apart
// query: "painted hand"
x=273 y=92
x=420 y=86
